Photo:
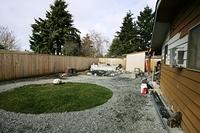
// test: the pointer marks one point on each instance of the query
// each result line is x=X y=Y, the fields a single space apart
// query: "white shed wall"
x=135 y=60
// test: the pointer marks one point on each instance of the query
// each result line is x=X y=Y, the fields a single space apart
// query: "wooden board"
x=14 y=65
x=186 y=19
x=180 y=89
x=177 y=106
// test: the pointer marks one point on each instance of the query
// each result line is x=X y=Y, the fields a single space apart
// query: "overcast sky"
x=103 y=16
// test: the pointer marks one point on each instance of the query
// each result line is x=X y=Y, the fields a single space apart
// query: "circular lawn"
x=49 y=98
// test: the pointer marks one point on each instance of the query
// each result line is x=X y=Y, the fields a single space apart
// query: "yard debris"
x=144 y=90
x=71 y=72
x=68 y=72
x=145 y=87
x=156 y=72
x=57 y=81
x=160 y=105
x=104 y=67
x=133 y=76
x=138 y=72
x=174 y=120
x=105 y=70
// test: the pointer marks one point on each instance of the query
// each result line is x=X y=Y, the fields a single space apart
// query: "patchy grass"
x=49 y=98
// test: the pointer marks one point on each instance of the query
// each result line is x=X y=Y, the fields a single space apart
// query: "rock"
x=63 y=76
x=57 y=81
x=89 y=73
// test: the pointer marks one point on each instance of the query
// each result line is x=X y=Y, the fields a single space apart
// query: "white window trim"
x=187 y=64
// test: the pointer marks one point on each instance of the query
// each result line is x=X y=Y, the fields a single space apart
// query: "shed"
x=135 y=60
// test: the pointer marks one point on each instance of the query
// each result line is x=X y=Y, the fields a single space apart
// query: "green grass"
x=48 y=98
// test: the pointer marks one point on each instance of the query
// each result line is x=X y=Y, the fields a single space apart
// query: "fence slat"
x=19 y=65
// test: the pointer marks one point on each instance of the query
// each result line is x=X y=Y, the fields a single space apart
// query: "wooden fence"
x=154 y=63
x=123 y=62
x=19 y=65
x=14 y=65
x=114 y=61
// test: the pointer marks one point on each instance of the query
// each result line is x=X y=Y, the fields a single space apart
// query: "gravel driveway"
x=125 y=112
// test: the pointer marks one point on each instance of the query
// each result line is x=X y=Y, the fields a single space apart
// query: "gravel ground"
x=125 y=112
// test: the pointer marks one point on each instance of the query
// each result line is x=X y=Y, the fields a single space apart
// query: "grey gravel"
x=125 y=112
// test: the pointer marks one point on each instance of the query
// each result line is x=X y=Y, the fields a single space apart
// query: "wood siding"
x=20 y=65
x=181 y=90
x=187 y=18
x=177 y=38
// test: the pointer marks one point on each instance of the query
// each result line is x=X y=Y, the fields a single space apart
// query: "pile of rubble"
x=105 y=70
x=68 y=72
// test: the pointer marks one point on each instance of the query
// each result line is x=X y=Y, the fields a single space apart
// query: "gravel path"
x=125 y=112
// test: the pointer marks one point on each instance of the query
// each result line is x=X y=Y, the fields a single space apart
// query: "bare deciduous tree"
x=7 y=39
x=99 y=43
x=87 y=48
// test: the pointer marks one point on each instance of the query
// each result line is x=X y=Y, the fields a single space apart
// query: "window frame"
x=183 y=51
x=165 y=53
x=188 y=48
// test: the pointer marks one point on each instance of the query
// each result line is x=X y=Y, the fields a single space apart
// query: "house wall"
x=135 y=60
x=177 y=43
x=181 y=89
x=188 y=17
x=177 y=37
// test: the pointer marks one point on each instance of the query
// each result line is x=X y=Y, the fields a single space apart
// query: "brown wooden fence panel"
x=15 y=65
x=154 y=63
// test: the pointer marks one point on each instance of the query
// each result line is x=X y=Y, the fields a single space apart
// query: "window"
x=176 y=57
x=165 y=54
x=194 y=48
x=181 y=57
x=172 y=57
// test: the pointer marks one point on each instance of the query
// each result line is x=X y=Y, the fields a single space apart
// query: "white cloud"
x=102 y=15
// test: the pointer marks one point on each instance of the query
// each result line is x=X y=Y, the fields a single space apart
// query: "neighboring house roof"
x=165 y=13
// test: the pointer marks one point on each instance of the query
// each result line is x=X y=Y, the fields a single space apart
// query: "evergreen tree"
x=145 y=27
x=39 y=39
x=115 y=48
x=124 y=41
x=1 y=47
x=56 y=33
